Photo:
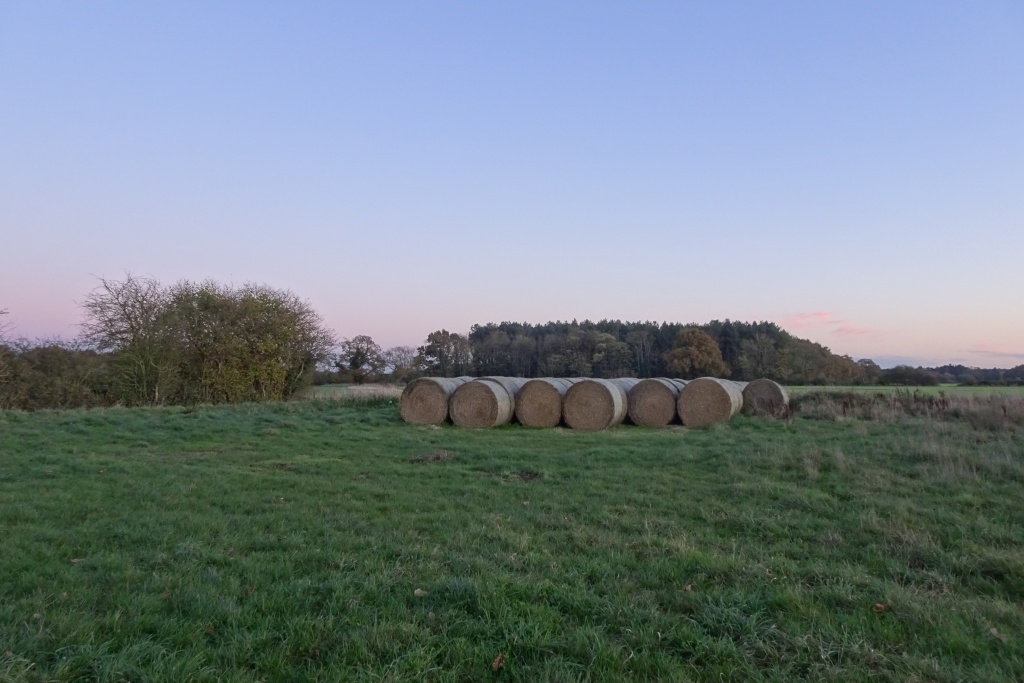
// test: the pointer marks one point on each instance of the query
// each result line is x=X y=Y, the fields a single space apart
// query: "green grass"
x=289 y=542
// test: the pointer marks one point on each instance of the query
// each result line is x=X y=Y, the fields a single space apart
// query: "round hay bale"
x=484 y=402
x=594 y=404
x=512 y=384
x=652 y=402
x=708 y=400
x=765 y=397
x=425 y=400
x=539 y=402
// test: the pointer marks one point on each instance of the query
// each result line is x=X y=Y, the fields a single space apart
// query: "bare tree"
x=401 y=362
x=643 y=351
x=129 y=317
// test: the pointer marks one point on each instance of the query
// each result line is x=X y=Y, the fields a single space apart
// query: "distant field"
x=356 y=391
x=327 y=540
x=352 y=391
x=947 y=389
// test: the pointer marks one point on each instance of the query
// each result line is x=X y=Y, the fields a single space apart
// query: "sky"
x=853 y=171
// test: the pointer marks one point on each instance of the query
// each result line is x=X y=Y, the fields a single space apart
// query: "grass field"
x=326 y=540
x=355 y=391
x=345 y=391
x=947 y=389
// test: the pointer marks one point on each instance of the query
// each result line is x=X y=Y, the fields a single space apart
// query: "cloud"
x=805 y=319
x=853 y=331
x=819 y=319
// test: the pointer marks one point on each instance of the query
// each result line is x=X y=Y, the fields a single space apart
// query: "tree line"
x=611 y=348
x=608 y=348
x=143 y=343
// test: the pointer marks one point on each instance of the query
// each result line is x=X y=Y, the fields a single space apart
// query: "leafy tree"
x=492 y=353
x=845 y=370
x=8 y=357
x=695 y=355
x=904 y=375
x=807 y=362
x=611 y=358
x=522 y=356
x=871 y=370
x=54 y=374
x=50 y=374
x=361 y=358
x=252 y=343
x=8 y=393
x=569 y=354
x=760 y=357
x=445 y=354
x=731 y=344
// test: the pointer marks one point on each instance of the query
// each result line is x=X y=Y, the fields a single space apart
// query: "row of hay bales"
x=586 y=403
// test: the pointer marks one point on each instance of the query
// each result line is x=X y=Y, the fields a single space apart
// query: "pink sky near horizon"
x=49 y=312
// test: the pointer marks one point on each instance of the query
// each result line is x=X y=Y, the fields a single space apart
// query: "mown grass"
x=326 y=540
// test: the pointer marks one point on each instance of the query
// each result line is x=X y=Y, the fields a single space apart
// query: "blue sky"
x=852 y=171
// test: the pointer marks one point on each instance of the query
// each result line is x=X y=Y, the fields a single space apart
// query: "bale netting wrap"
x=512 y=384
x=765 y=397
x=652 y=402
x=539 y=402
x=485 y=402
x=708 y=400
x=626 y=384
x=594 y=404
x=425 y=400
